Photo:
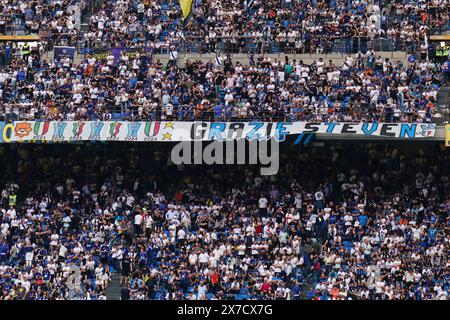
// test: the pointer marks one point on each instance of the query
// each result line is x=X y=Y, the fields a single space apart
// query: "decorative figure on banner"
x=37 y=127
x=96 y=128
x=58 y=130
x=133 y=129
x=427 y=130
x=114 y=129
x=77 y=130
x=147 y=129
x=167 y=136
x=168 y=125
x=22 y=129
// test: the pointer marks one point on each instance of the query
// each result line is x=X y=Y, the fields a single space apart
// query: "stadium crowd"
x=136 y=87
x=365 y=87
x=373 y=225
x=232 y=25
x=263 y=26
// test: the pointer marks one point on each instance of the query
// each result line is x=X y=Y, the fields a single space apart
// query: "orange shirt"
x=424 y=17
x=88 y=70
x=334 y=292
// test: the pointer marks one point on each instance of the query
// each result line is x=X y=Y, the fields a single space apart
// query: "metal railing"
x=393 y=20
x=295 y=46
x=187 y=113
x=260 y=46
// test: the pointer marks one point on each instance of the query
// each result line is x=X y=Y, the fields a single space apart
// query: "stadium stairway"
x=443 y=101
x=308 y=284
x=113 y=290
x=87 y=13
x=307 y=292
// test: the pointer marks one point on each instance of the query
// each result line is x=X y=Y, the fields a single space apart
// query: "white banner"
x=166 y=131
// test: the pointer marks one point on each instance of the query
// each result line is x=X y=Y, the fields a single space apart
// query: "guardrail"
x=261 y=46
x=188 y=113
x=241 y=44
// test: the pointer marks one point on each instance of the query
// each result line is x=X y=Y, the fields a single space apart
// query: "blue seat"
x=241 y=296
x=117 y=116
x=243 y=291
x=275 y=49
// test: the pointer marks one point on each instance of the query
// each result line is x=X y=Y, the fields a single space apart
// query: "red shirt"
x=215 y=278
x=265 y=287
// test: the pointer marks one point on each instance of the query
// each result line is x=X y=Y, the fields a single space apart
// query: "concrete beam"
x=337 y=58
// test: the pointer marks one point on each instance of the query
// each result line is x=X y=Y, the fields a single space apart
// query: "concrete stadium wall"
x=337 y=58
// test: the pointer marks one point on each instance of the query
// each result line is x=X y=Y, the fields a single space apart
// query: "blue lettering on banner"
x=331 y=126
x=299 y=138
x=216 y=130
x=308 y=138
x=368 y=131
x=280 y=131
x=408 y=129
x=253 y=134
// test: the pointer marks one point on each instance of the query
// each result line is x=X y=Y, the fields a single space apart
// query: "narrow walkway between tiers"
x=113 y=290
